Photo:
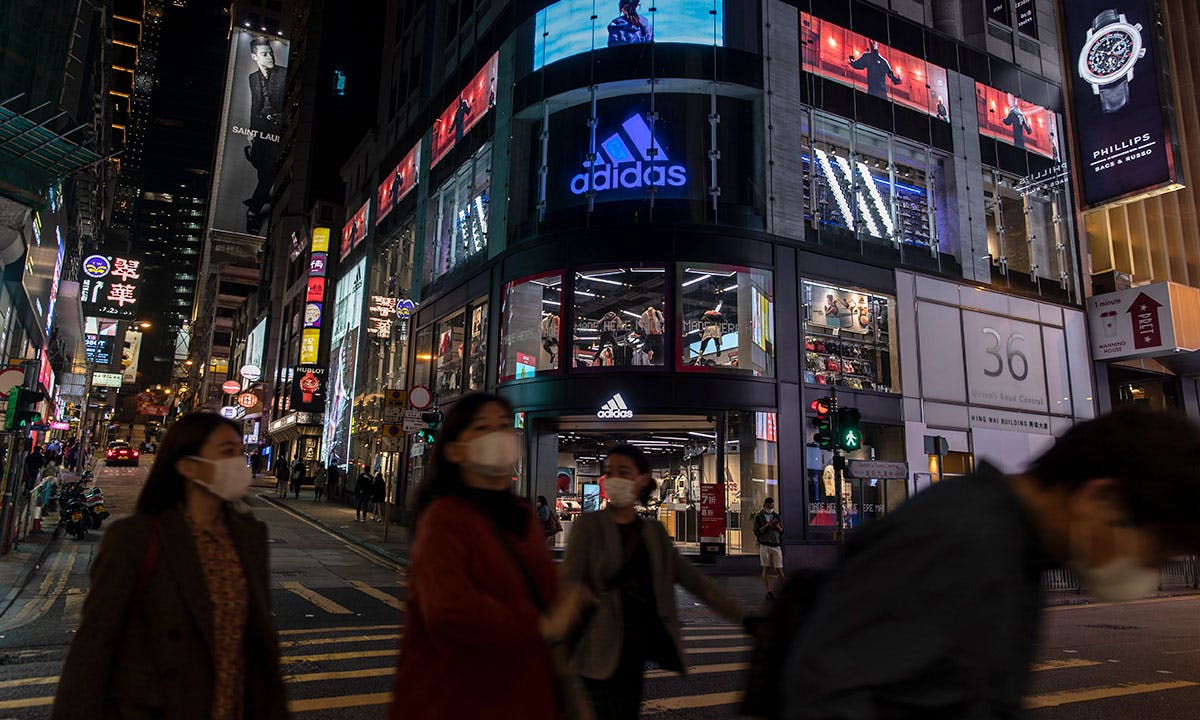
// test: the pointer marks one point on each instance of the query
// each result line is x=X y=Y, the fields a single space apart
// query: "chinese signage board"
x=381 y=313
x=1126 y=146
x=111 y=286
x=355 y=229
x=472 y=104
x=308 y=389
x=1146 y=321
x=103 y=379
x=399 y=182
x=844 y=56
x=1022 y=124
x=251 y=127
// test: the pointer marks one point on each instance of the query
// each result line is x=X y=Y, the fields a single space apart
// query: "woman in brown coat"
x=177 y=622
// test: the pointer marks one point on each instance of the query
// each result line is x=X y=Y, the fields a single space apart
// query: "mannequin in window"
x=605 y=357
x=444 y=342
x=710 y=323
x=550 y=333
x=609 y=326
x=1019 y=124
x=651 y=326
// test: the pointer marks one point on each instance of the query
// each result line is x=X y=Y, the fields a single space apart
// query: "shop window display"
x=727 y=318
x=423 y=356
x=477 y=345
x=848 y=339
x=531 y=327
x=449 y=355
x=458 y=215
x=864 y=500
x=619 y=319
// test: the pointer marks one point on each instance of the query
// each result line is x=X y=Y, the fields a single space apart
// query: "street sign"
x=391 y=444
x=251 y=372
x=411 y=425
x=394 y=396
x=392 y=431
x=230 y=387
x=877 y=470
x=393 y=413
x=9 y=379
x=247 y=400
x=412 y=414
x=229 y=412
x=420 y=397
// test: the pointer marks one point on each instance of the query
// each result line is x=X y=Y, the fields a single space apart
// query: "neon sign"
x=631 y=158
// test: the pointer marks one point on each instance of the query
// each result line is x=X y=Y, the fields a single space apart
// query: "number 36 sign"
x=1005 y=362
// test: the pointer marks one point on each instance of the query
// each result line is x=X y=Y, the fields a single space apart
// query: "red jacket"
x=471 y=647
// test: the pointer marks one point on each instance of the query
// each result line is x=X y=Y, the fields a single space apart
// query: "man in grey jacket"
x=631 y=567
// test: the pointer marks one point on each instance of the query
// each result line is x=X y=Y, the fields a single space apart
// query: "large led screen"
x=343 y=364
x=355 y=230
x=571 y=27
x=472 y=104
x=834 y=52
x=1124 y=142
x=250 y=130
x=1022 y=124
x=399 y=182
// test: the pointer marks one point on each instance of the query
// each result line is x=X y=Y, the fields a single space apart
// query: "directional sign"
x=411 y=425
x=877 y=470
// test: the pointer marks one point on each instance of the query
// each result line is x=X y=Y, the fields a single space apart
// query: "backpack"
x=773 y=639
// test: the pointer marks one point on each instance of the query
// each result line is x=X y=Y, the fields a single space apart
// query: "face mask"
x=619 y=491
x=231 y=478
x=1120 y=580
x=494 y=454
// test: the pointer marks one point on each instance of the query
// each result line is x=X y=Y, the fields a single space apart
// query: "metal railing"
x=1176 y=573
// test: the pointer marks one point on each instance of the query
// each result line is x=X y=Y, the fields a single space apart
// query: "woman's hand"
x=566 y=613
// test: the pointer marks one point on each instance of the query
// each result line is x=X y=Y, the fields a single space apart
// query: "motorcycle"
x=73 y=515
x=93 y=500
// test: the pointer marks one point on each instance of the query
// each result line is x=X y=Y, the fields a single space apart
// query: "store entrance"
x=684 y=456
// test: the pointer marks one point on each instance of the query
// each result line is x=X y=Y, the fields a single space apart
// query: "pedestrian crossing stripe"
x=380 y=595
x=1104 y=692
x=309 y=642
x=348 y=628
x=316 y=598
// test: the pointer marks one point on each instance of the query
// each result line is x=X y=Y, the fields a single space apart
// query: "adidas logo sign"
x=615 y=409
x=619 y=162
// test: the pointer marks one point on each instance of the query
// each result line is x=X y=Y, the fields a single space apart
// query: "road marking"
x=696 y=638
x=691 y=701
x=357 y=550
x=1066 y=697
x=380 y=595
x=33 y=608
x=700 y=670
x=348 y=628
x=341 y=675
x=316 y=598
x=26 y=703
x=709 y=650
x=21 y=682
x=1181 y=652
x=309 y=642
x=1063 y=664
x=61 y=585
x=340 y=701
x=1147 y=601
x=74 y=611
x=290 y=659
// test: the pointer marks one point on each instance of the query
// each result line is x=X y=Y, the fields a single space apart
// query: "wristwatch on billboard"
x=308 y=386
x=1112 y=47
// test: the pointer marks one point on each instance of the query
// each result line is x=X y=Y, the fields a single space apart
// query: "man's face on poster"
x=264 y=56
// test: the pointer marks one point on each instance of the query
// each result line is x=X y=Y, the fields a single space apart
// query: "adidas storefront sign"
x=615 y=409
x=629 y=159
x=629 y=177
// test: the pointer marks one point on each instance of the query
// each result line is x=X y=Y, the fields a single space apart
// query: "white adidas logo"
x=615 y=409
x=619 y=161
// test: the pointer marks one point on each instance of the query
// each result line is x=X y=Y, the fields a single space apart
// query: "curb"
x=374 y=549
x=11 y=596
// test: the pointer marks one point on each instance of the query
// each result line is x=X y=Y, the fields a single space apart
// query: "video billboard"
x=570 y=27
x=399 y=182
x=111 y=286
x=308 y=389
x=343 y=364
x=1124 y=138
x=834 y=52
x=473 y=103
x=355 y=229
x=1022 y=124
x=251 y=126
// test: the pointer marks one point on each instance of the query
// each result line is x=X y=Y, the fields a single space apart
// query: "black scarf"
x=503 y=508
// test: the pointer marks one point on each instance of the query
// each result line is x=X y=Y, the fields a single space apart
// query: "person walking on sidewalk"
x=483 y=598
x=297 y=477
x=177 y=622
x=320 y=478
x=378 y=496
x=631 y=566
x=769 y=532
x=549 y=520
x=335 y=483
x=362 y=495
x=282 y=477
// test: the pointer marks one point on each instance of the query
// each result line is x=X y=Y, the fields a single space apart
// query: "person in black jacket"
x=282 y=477
x=362 y=495
x=378 y=496
x=879 y=71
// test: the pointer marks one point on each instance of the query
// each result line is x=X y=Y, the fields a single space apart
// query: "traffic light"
x=433 y=419
x=849 y=434
x=21 y=412
x=823 y=422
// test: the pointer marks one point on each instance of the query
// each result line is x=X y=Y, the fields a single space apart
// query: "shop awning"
x=35 y=153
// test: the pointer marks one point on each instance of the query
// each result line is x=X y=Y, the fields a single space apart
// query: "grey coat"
x=593 y=558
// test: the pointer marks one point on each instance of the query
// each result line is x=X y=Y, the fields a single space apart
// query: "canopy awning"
x=34 y=154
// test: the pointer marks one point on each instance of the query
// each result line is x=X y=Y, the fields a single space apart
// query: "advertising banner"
x=99 y=349
x=473 y=103
x=251 y=125
x=130 y=355
x=343 y=363
x=570 y=27
x=308 y=389
x=848 y=310
x=111 y=286
x=356 y=229
x=1022 y=124
x=865 y=64
x=712 y=514
x=310 y=345
x=1125 y=145
x=1142 y=322
x=399 y=182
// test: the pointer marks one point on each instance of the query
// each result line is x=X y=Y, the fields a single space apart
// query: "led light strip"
x=872 y=228
x=836 y=186
x=883 y=213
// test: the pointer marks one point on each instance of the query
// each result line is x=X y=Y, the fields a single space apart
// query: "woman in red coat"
x=475 y=637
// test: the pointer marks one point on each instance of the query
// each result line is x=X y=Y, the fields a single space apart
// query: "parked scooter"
x=73 y=512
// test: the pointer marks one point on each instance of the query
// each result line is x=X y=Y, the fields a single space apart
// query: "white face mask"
x=1119 y=580
x=494 y=454
x=620 y=491
x=231 y=478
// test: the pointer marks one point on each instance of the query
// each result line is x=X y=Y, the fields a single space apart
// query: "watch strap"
x=1113 y=97
x=1108 y=17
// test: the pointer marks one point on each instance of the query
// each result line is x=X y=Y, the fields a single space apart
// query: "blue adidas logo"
x=623 y=161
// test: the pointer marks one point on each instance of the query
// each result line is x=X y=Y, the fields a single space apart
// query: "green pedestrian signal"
x=849 y=433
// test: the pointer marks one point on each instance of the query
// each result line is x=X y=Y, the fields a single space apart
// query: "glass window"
x=848 y=339
x=477 y=346
x=423 y=345
x=619 y=318
x=727 y=318
x=751 y=474
x=449 y=355
x=531 y=326
x=458 y=215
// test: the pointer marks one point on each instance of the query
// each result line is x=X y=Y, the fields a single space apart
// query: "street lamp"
x=145 y=325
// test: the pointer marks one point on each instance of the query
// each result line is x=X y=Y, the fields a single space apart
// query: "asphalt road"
x=339 y=610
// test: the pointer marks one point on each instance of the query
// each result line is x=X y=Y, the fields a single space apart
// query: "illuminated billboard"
x=833 y=52
x=1022 y=124
x=343 y=363
x=1124 y=136
x=355 y=229
x=473 y=102
x=251 y=125
x=111 y=286
x=570 y=27
x=399 y=182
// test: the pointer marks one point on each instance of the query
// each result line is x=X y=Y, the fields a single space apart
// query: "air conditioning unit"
x=1111 y=281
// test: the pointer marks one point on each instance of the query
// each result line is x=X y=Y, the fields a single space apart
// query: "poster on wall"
x=252 y=123
x=570 y=27
x=355 y=229
x=308 y=389
x=1022 y=124
x=399 y=182
x=834 y=52
x=472 y=104
x=847 y=310
x=1124 y=139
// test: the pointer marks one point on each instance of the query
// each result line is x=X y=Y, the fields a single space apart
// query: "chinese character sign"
x=111 y=287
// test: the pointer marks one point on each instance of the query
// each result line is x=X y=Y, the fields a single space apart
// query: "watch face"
x=1110 y=53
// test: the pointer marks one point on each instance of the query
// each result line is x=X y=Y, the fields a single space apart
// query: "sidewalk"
x=338 y=518
x=23 y=560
